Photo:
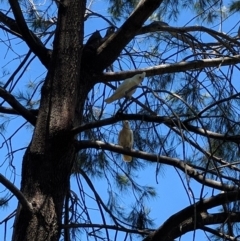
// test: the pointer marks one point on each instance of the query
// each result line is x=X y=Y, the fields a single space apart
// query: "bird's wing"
x=125 y=86
x=120 y=138
x=125 y=140
x=131 y=139
x=119 y=92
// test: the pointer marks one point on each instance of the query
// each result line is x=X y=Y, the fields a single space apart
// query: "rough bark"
x=50 y=155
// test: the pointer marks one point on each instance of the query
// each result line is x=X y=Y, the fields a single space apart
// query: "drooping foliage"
x=185 y=118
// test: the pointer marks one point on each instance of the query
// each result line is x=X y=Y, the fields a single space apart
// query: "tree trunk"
x=49 y=158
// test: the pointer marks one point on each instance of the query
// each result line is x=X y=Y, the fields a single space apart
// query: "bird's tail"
x=127 y=158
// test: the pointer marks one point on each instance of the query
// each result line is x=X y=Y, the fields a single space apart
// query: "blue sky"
x=171 y=194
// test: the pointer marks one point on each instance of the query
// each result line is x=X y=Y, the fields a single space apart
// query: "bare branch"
x=198 y=222
x=11 y=24
x=6 y=110
x=102 y=226
x=186 y=220
x=27 y=115
x=112 y=47
x=172 y=68
x=33 y=42
x=219 y=234
x=180 y=164
x=21 y=198
x=176 y=31
x=169 y=121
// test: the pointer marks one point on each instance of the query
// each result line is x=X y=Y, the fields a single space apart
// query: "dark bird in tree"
x=91 y=46
x=95 y=39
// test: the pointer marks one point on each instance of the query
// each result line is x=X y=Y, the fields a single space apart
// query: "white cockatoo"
x=125 y=139
x=123 y=88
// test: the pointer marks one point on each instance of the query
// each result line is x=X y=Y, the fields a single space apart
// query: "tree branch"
x=172 y=68
x=157 y=119
x=102 y=226
x=21 y=198
x=203 y=219
x=184 y=221
x=112 y=47
x=178 y=32
x=219 y=234
x=29 y=37
x=11 y=24
x=6 y=110
x=198 y=222
x=27 y=115
x=180 y=164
